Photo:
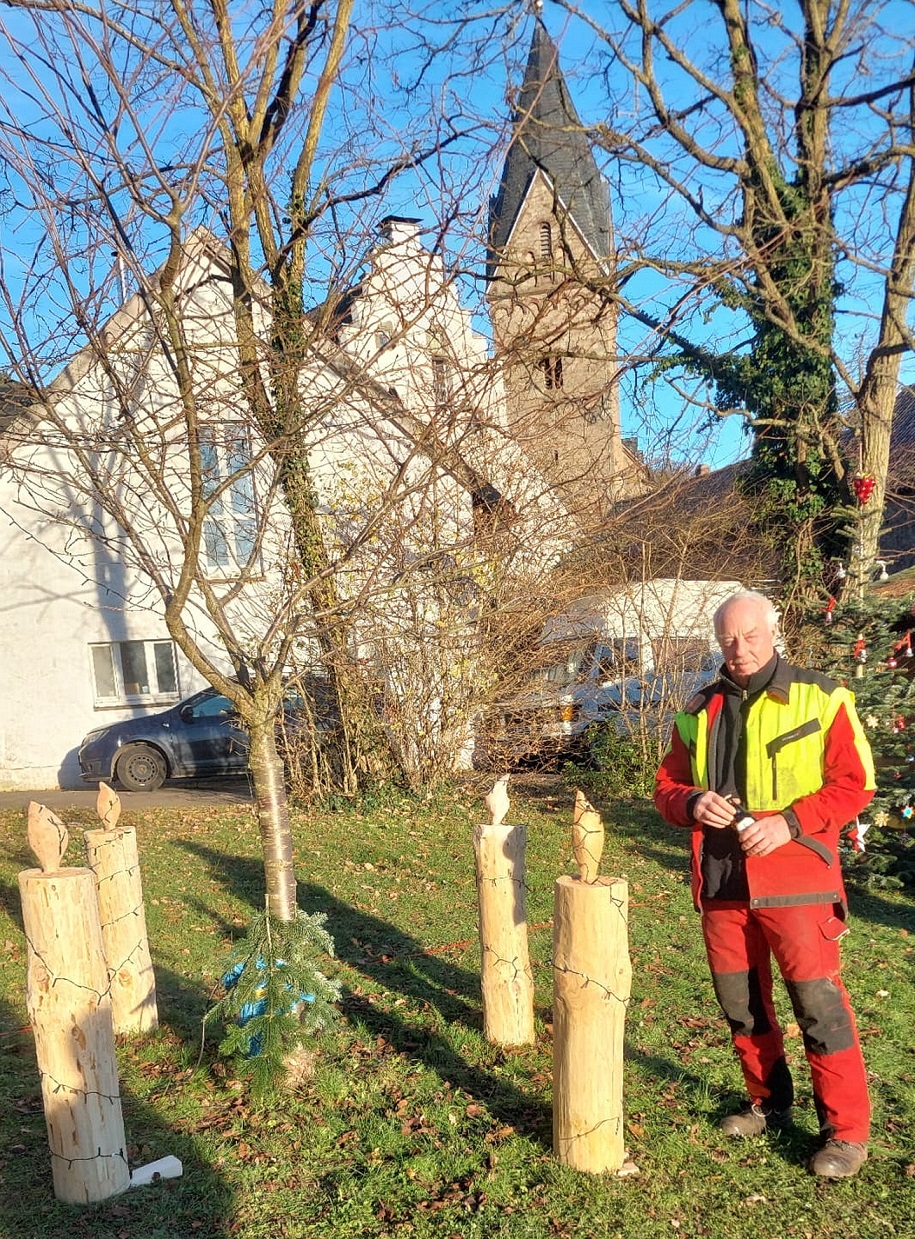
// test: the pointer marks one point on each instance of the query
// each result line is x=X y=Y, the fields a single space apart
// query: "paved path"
x=173 y=795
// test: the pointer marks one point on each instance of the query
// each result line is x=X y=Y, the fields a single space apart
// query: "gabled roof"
x=548 y=136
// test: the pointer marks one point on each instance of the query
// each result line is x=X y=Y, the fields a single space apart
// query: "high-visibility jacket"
x=806 y=757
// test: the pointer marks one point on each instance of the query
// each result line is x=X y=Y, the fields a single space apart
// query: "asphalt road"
x=172 y=795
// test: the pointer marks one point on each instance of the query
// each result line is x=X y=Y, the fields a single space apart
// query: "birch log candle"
x=70 y=1014
x=592 y=978
x=114 y=859
x=506 y=979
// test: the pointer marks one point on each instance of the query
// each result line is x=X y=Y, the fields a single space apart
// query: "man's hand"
x=713 y=810
x=765 y=835
x=758 y=839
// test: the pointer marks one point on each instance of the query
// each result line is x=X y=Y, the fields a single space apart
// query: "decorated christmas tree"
x=867 y=643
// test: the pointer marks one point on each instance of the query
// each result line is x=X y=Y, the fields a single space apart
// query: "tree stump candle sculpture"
x=70 y=1013
x=506 y=978
x=113 y=858
x=592 y=977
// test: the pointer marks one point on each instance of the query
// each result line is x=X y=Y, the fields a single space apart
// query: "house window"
x=230 y=528
x=124 y=672
x=546 y=241
x=552 y=372
x=441 y=382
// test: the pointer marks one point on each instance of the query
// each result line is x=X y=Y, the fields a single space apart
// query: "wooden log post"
x=592 y=978
x=506 y=978
x=113 y=858
x=70 y=1014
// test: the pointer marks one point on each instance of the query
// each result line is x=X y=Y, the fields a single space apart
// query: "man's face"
x=746 y=638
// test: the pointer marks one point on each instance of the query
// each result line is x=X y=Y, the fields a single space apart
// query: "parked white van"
x=629 y=656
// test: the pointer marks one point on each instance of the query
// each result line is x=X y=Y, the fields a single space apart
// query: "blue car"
x=197 y=738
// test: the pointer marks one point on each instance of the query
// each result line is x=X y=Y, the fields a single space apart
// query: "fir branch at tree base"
x=276 y=997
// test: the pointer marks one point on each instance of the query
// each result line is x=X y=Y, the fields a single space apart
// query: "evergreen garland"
x=276 y=997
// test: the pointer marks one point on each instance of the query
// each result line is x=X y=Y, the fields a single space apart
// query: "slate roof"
x=547 y=134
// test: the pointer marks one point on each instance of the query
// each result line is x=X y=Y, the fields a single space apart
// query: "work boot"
x=753 y=1122
x=838 y=1159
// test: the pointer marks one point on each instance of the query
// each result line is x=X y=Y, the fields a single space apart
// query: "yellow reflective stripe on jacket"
x=785 y=744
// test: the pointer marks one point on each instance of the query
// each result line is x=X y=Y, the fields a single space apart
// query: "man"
x=787 y=746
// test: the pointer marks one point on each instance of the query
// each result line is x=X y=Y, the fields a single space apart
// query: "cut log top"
x=48 y=837
x=69 y=873
x=577 y=883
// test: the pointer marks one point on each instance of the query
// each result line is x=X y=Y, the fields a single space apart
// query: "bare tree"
x=181 y=443
x=775 y=148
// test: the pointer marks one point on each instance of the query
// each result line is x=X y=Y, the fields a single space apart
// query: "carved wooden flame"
x=48 y=837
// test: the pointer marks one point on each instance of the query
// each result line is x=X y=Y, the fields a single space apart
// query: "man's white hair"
x=766 y=605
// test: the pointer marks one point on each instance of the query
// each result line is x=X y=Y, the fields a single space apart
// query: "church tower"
x=550 y=255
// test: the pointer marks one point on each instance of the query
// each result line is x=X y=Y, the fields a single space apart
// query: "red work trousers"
x=804 y=941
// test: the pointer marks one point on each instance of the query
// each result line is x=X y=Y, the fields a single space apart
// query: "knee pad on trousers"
x=822 y=1014
x=740 y=998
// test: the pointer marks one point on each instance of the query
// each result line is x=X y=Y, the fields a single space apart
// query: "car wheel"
x=140 y=769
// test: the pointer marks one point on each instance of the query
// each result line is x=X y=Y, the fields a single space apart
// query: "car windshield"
x=608 y=660
x=565 y=671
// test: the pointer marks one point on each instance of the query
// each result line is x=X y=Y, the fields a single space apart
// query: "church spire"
x=548 y=136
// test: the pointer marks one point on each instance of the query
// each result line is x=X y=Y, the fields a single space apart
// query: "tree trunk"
x=272 y=806
x=877 y=396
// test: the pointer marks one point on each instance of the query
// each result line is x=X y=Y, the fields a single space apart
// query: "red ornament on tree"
x=863 y=485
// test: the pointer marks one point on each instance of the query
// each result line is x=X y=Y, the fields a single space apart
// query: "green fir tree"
x=276 y=995
x=866 y=644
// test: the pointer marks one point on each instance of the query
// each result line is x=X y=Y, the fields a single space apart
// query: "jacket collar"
x=774 y=677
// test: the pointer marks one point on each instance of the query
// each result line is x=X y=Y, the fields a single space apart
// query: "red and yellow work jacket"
x=807 y=758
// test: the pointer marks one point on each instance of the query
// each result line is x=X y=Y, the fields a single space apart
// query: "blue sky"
x=470 y=79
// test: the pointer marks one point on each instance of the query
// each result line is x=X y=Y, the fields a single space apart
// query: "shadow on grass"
x=198 y=1203
x=386 y=954
x=395 y=962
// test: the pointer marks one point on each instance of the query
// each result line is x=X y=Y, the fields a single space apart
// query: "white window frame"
x=118 y=691
x=441 y=381
x=230 y=534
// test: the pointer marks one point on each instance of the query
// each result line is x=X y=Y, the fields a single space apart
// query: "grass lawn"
x=409 y=1123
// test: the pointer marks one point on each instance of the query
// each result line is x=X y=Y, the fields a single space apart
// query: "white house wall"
x=63 y=592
